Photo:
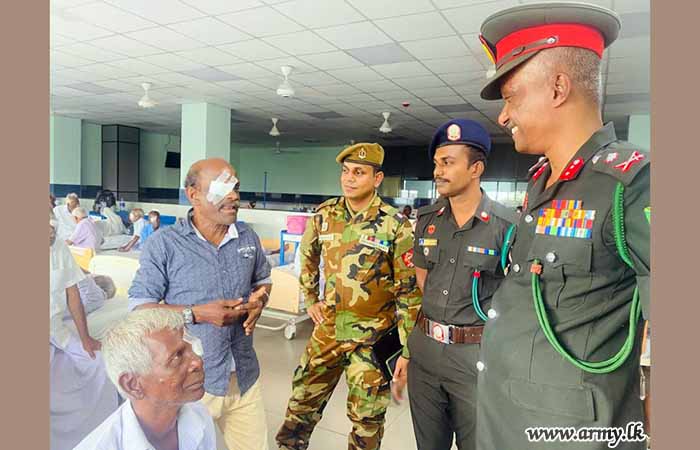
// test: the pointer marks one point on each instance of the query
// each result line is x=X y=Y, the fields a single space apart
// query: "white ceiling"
x=352 y=59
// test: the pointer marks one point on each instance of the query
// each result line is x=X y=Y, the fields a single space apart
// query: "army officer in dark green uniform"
x=562 y=347
x=457 y=254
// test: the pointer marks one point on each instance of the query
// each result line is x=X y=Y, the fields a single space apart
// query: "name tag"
x=427 y=242
x=325 y=237
x=373 y=242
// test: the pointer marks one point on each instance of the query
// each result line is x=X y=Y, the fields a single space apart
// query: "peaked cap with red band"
x=514 y=35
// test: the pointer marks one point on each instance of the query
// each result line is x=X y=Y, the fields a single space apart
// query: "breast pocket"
x=482 y=259
x=566 y=269
x=483 y=269
x=367 y=263
x=244 y=264
x=432 y=255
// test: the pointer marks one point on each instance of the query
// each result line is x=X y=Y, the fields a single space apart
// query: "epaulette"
x=621 y=160
x=330 y=202
x=388 y=209
x=505 y=213
x=441 y=203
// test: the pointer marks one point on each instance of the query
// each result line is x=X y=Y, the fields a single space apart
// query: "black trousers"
x=442 y=392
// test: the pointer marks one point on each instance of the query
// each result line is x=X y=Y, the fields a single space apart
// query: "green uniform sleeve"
x=638 y=234
x=310 y=249
x=405 y=289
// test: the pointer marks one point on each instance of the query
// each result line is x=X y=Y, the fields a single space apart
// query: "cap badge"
x=454 y=132
x=362 y=154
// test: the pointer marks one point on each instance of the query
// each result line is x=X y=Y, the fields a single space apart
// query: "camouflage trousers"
x=321 y=367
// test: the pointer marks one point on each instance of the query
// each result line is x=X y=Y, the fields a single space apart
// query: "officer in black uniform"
x=562 y=350
x=459 y=265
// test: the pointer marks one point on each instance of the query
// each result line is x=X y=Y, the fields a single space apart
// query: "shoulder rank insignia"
x=634 y=158
x=611 y=157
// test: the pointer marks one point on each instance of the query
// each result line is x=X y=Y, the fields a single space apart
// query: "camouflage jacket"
x=370 y=280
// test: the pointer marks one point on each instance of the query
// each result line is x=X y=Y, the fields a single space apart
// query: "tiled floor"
x=278 y=359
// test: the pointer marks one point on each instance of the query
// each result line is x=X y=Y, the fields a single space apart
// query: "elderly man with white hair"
x=81 y=396
x=156 y=365
x=64 y=216
x=86 y=234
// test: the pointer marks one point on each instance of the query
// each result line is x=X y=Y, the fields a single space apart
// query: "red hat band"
x=537 y=38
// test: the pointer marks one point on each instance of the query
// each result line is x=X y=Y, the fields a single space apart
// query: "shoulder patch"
x=435 y=207
x=621 y=160
x=330 y=202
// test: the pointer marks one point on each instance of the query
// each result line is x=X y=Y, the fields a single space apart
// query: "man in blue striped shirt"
x=214 y=272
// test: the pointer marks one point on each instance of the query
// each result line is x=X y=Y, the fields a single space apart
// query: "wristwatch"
x=188 y=315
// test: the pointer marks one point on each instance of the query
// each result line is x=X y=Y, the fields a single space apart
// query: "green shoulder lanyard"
x=477 y=274
x=614 y=362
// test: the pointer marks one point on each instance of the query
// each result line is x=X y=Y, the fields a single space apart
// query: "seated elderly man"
x=86 y=233
x=151 y=227
x=81 y=396
x=151 y=360
x=113 y=225
x=94 y=290
x=136 y=218
x=64 y=216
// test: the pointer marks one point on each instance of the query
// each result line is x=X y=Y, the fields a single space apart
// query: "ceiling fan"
x=279 y=151
x=386 y=128
x=274 y=131
x=146 y=101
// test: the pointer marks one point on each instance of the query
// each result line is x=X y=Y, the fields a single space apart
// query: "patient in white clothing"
x=65 y=224
x=156 y=365
x=113 y=225
x=95 y=290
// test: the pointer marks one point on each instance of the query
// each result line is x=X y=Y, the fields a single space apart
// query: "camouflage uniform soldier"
x=367 y=249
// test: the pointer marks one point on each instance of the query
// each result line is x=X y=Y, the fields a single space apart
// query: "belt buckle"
x=440 y=332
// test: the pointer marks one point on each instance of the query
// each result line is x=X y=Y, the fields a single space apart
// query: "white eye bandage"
x=194 y=341
x=221 y=187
